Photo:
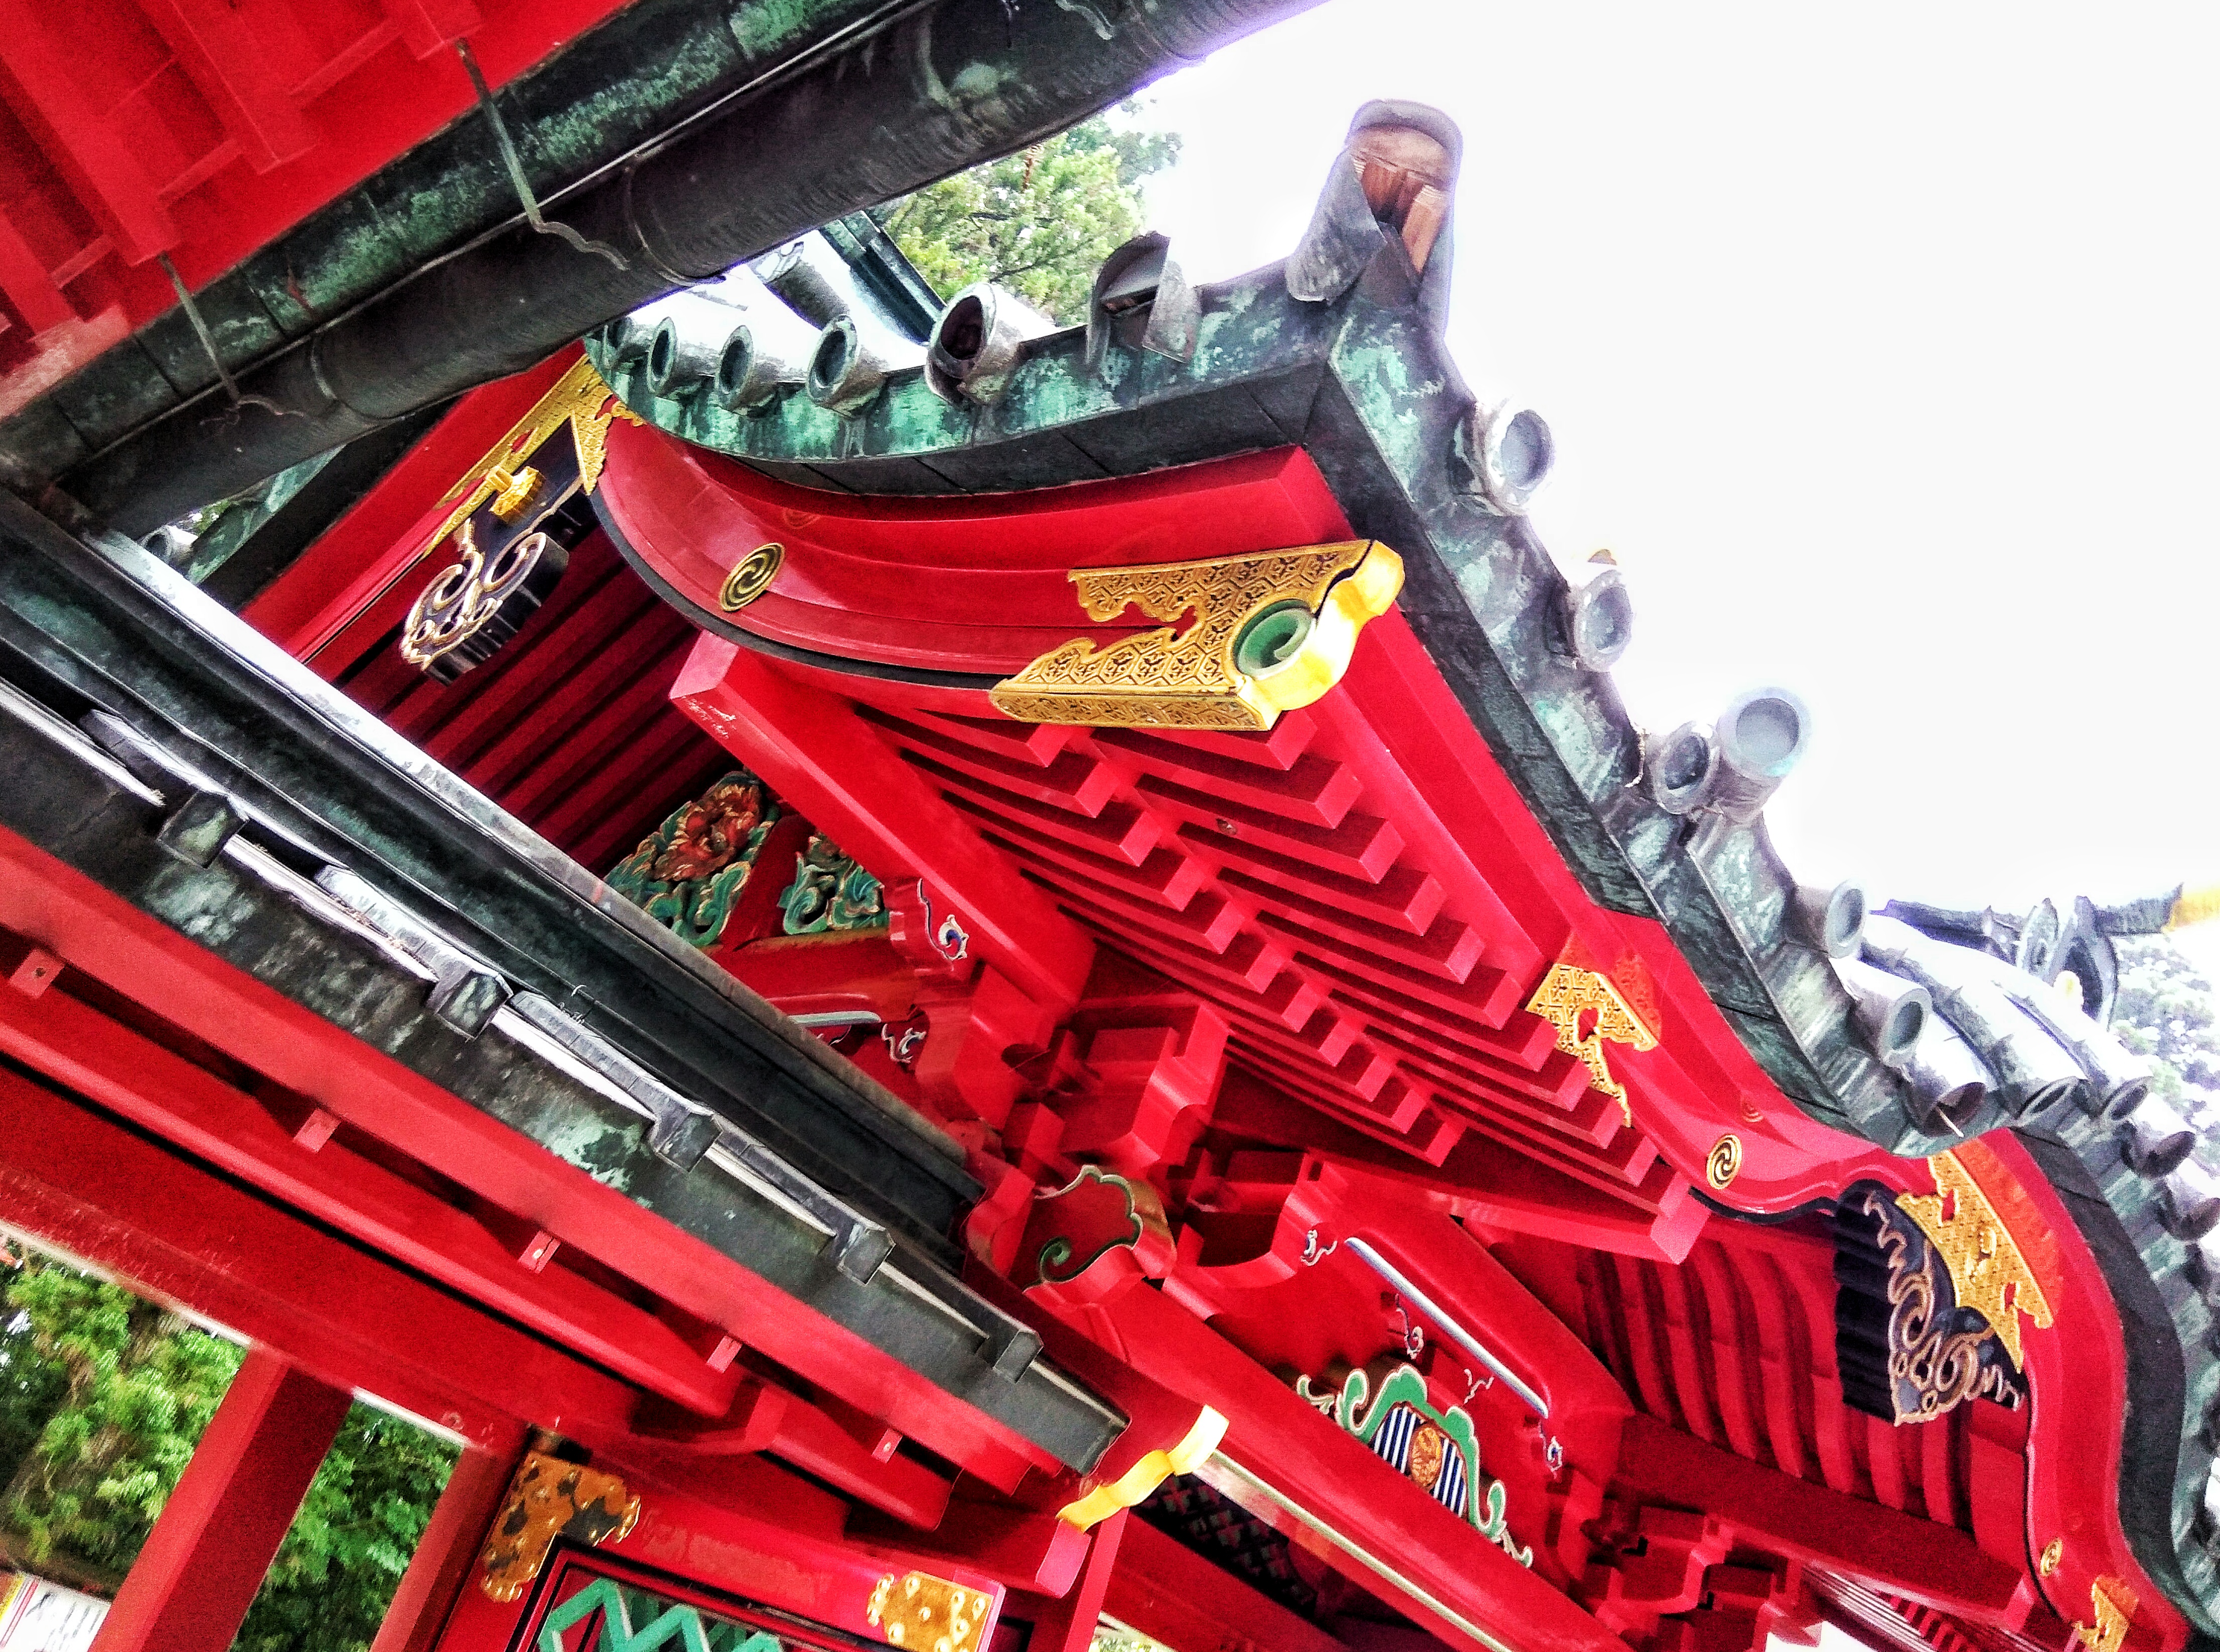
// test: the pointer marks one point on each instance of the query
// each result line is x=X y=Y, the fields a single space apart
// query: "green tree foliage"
x=2165 y=1012
x=1041 y=222
x=132 y=1389
x=332 y=1580
x=103 y=1398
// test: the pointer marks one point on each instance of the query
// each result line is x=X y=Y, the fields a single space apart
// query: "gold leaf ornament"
x=578 y=399
x=1985 y=1265
x=1586 y=1008
x=1270 y=632
x=2112 y=1603
x=919 y=1612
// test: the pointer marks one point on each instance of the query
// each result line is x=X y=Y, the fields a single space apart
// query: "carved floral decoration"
x=830 y=891
x=689 y=871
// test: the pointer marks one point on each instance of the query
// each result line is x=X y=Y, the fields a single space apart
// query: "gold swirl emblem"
x=752 y=577
x=1724 y=1163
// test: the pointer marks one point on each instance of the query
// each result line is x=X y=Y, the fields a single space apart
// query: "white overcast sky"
x=1882 y=346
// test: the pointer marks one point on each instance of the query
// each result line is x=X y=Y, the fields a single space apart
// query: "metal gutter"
x=87 y=627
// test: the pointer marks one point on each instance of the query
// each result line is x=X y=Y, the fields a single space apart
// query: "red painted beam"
x=1174 y=1595
x=814 y=750
x=216 y=49
x=62 y=911
x=191 y=1585
x=29 y=287
x=85 y=1185
x=1066 y=1622
x=81 y=140
x=140 y=1079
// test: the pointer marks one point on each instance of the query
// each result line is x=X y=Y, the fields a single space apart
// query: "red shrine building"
x=937 y=979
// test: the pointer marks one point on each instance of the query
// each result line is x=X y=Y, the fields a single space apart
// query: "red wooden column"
x=192 y=1584
x=1066 y=1623
x=441 y=1564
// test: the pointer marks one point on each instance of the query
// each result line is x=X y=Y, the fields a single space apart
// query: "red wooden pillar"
x=451 y=1542
x=192 y=1584
x=1067 y=1624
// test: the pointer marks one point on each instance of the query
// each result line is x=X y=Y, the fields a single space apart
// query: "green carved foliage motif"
x=831 y=892
x=689 y=871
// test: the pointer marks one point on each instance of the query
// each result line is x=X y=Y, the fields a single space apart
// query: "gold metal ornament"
x=1270 y=632
x=1568 y=998
x=548 y=1499
x=919 y=1612
x=520 y=490
x=2054 y=1552
x=2112 y=1603
x=475 y=604
x=578 y=399
x=752 y=577
x=1724 y=1163
x=1986 y=1268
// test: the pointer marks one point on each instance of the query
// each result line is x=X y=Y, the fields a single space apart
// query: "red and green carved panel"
x=693 y=874
x=690 y=871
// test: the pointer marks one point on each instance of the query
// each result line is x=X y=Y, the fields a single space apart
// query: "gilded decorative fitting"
x=520 y=490
x=1985 y=1267
x=2193 y=907
x=919 y=1612
x=752 y=577
x=548 y=1499
x=1269 y=633
x=478 y=603
x=2054 y=1553
x=578 y=399
x=1586 y=1008
x=1724 y=1163
x=2112 y=1603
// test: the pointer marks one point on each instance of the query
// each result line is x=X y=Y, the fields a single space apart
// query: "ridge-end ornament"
x=1268 y=634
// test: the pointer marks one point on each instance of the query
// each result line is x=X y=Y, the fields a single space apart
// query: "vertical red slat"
x=441 y=1564
x=190 y=1587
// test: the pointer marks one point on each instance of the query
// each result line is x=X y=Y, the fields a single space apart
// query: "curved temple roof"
x=1346 y=1023
x=1914 y=1028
